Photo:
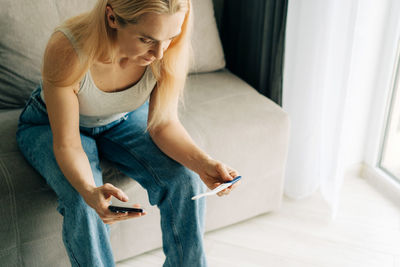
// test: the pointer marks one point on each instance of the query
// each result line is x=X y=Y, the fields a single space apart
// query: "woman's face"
x=147 y=40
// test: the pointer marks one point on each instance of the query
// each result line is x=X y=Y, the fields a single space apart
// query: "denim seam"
x=176 y=235
x=157 y=179
x=39 y=105
x=70 y=250
x=33 y=162
x=26 y=106
x=143 y=162
x=14 y=211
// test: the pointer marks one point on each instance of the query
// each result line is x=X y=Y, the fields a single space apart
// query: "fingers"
x=227 y=174
x=110 y=217
x=223 y=171
x=121 y=217
x=228 y=190
x=100 y=201
x=233 y=172
x=234 y=185
x=116 y=192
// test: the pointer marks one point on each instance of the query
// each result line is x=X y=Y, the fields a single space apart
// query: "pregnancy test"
x=218 y=188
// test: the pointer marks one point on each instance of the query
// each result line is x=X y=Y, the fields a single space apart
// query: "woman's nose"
x=158 y=51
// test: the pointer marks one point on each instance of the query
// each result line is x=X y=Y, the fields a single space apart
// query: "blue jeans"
x=125 y=143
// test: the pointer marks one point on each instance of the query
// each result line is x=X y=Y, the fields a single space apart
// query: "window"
x=390 y=152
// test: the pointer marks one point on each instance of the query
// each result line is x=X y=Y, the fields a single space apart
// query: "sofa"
x=225 y=116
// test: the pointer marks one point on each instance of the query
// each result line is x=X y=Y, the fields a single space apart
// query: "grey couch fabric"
x=224 y=115
x=26 y=26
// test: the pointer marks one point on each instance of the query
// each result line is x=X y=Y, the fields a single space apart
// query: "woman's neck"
x=121 y=63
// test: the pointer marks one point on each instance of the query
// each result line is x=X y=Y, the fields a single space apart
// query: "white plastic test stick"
x=218 y=188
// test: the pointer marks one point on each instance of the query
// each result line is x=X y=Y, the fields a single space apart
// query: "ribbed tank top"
x=98 y=108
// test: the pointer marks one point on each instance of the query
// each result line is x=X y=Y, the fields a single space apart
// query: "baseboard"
x=382 y=182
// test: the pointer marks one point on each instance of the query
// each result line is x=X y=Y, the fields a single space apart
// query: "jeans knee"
x=74 y=202
x=187 y=182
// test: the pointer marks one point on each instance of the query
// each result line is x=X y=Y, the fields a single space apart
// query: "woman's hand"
x=99 y=199
x=213 y=173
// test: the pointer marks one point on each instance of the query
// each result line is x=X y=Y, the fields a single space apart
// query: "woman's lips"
x=148 y=60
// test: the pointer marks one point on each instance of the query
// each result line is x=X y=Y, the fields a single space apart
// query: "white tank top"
x=98 y=108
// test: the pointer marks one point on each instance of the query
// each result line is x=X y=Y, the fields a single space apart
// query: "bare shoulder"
x=59 y=48
x=61 y=65
x=60 y=73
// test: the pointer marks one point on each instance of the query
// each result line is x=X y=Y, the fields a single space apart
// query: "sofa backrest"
x=26 y=25
x=218 y=10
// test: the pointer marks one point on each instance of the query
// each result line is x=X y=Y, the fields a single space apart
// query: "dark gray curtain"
x=253 y=36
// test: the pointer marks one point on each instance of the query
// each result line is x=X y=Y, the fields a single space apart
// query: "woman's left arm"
x=174 y=140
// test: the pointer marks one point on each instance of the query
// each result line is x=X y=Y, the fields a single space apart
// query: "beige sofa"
x=224 y=115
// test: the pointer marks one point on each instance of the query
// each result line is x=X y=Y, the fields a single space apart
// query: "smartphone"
x=124 y=209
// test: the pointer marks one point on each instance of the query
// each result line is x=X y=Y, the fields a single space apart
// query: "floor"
x=366 y=233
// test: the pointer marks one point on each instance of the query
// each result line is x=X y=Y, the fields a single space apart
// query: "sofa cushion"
x=11 y=155
x=242 y=128
x=27 y=201
x=207 y=48
x=26 y=26
x=254 y=142
x=9 y=122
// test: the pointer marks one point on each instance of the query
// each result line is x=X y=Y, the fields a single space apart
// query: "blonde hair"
x=97 y=41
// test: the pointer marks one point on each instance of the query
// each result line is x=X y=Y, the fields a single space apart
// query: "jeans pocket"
x=33 y=114
x=38 y=102
x=25 y=108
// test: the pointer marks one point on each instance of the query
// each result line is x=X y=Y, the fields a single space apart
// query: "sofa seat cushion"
x=220 y=108
x=30 y=225
x=225 y=116
x=17 y=170
x=9 y=122
x=235 y=124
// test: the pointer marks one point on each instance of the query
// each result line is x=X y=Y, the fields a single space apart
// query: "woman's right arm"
x=61 y=75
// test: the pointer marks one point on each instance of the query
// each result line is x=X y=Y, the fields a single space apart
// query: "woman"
x=111 y=83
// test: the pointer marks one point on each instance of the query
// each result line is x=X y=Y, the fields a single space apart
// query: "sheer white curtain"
x=318 y=59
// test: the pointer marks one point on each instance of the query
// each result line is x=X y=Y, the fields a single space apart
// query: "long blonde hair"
x=96 y=41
